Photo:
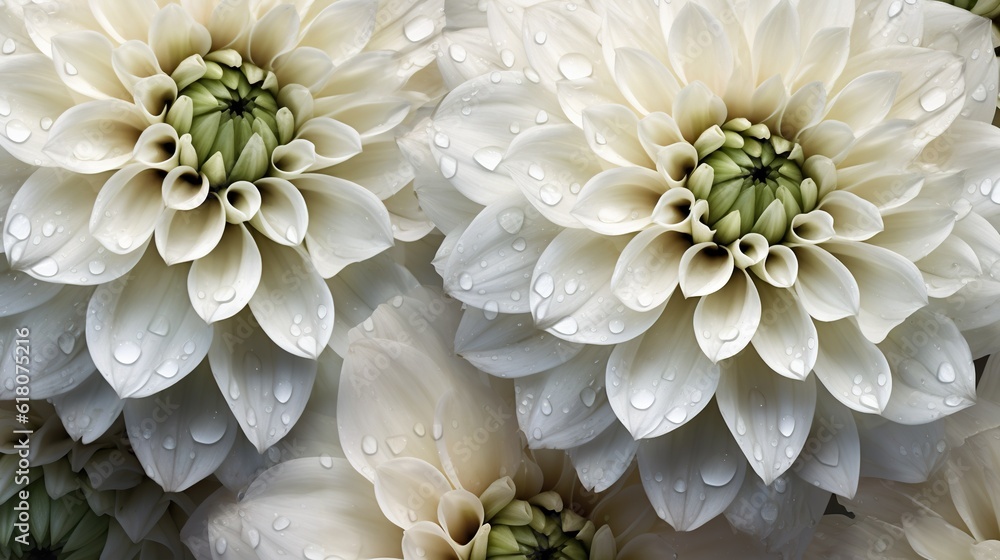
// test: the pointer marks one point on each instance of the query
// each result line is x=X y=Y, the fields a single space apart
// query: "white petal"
x=283 y=215
x=865 y=101
x=506 y=347
x=142 y=332
x=890 y=286
x=900 y=452
x=32 y=85
x=409 y=221
x=59 y=203
x=124 y=22
x=915 y=229
x=827 y=51
x=552 y=183
x=20 y=291
x=266 y=387
x=696 y=109
x=646 y=273
x=602 y=461
x=780 y=515
x=567 y=405
x=222 y=282
x=395 y=481
x=369 y=116
x=189 y=418
x=932 y=369
x=88 y=410
x=73 y=145
x=662 y=379
x=644 y=80
x=571 y=291
x=611 y=130
x=852 y=368
x=127 y=208
x=776 y=43
x=825 y=287
x=58 y=359
x=292 y=303
x=174 y=35
x=762 y=409
x=726 y=320
x=710 y=62
x=704 y=269
x=692 y=474
x=854 y=218
x=786 y=336
x=341 y=29
x=348 y=223
x=569 y=54
x=88 y=54
x=933 y=537
x=620 y=200
x=335 y=142
x=831 y=458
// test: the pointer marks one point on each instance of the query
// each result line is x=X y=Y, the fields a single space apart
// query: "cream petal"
x=620 y=200
x=186 y=235
x=655 y=387
x=552 y=184
x=886 y=25
x=409 y=222
x=82 y=59
x=888 y=192
x=854 y=218
x=611 y=131
x=134 y=61
x=349 y=224
x=602 y=461
x=776 y=43
x=781 y=515
x=408 y=490
x=341 y=29
x=58 y=358
x=657 y=131
x=428 y=539
x=726 y=320
x=495 y=255
x=786 y=336
x=335 y=142
x=762 y=409
x=823 y=298
x=292 y=303
x=704 y=269
x=447 y=208
x=580 y=307
x=174 y=338
x=696 y=109
x=803 y=110
x=646 y=273
x=158 y=146
x=228 y=23
x=266 y=387
x=43 y=22
x=21 y=292
x=513 y=103
x=827 y=52
x=185 y=419
x=852 y=368
x=571 y=53
x=89 y=409
x=865 y=100
x=933 y=537
x=767 y=100
x=831 y=457
x=811 y=228
x=470 y=52
x=368 y=115
x=124 y=22
x=691 y=475
x=899 y=452
x=915 y=229
x=929 y=380
x=502 y=346
x=126 y=209
x=222 y=282
x=74 y=146
x=174 y=36
x=647 y=84
x=891 y=286
x=567 y=405
x=479 y=440
x=283 y=216
x=694 y=59
x=381 y=168
x=59 y=203
x=828 y=138
x=307 y=66
x=575 y=96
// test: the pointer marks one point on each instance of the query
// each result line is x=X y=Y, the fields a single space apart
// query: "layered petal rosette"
x=208 y=170
x=698 y=199
x=432 y=466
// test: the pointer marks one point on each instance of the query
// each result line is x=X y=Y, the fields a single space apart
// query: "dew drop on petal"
x=588 y=396
x=225 y=294
x=449 y=167
x=544 y=285
x=46 y=268
x=307 y=344
x=519 y=244
x=169 y=443
x=797 y=366
x=9 y=46
x=441 y=139
x=729 y=334
x=127 y=353
x=465 y=281
x=575 y=66
x=282 y=391
x=66 y=343
x=321 y=312
x=418 y=28
x=541 y=37
x=786 y=425
x=946 y=372
x=368 y=445
x=19 y=227
x=168 y=369
x=642 y=399
x=281 y=523
x=511 y=220
x=491 y=309
x=677 y=415
x=550 y=194
x=979 y=94
x=568 y=326
x=869 y=400
x=419 y=429
x=507 y=57
x=396 y=444
x=895 y=8
x=96 y=267
x=457 y=52
x=953 y=400
x=536 y=172
x=17 y=131
x=933 y=99
x=326 y=461
x=489 y=157
x=208 y=427
x=616 y=326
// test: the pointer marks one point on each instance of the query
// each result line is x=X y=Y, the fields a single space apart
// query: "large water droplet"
x=567 y=326
x=208 y=427
x=946 y=372
x=677 y=415
x=488 y=157
x=550 y=194
x=588 y=396
x=281 y=523
x=933 y=99
x=253 y=536
x=979 y=94
x=575 y=66
x=168 y=368
x=953 y=400
x=396 y=444
x=418 y=28
x=66 y=343
x=96 y=267
x=680 y=485
x=368 y=445
x=449 y=167
x=47 y=267
x=225 y=294
x=729 y=334
x=282 y=390
x=544 y=285
x=17 y=131
x=511 y=220
x=895 y=8
x=719 y=472
x=465 y=281
x=457 y=53
x=127 y=353
x=786 y=425
x=169 y=443
x=19 y=226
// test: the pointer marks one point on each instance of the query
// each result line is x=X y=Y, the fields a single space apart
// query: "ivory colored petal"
x=222 y=282
x=612 y=132
x=174 y=36
x=127 y=208
x=188 y=418
x=786 y=336
x=32 y=85
x=831 y=458
x=620 y=200
x=601 y=462
x=88 y=410
x=645 y=81
x=826 y=287
x=502 y=346
x=72 y=144
x=725 y=321
x=186 y=235
x=151 y=301
x=712 y=64
x=83 y=61
x=342 y=29
x=283 y=216
x=704 y=269
x=646 y=273
x=900 y=452
x=395 y=482
x=335 y=142
x=852 y=368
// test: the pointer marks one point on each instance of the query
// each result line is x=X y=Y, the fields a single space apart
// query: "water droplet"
x=449 y=167
x=368 y=445
x=546 y=407
x=70 y=69
x=941 y=446
x=9 y=46
x=616 y=326
x=544 y=285
x=507 y=58
x=719 y=472
x=489 y=157
x=418 y=29
x=798 y=367
x=326 y=461
x=321 y=312
x=491 y=309
x=96 y=267
x=45 y=123
x=677 y=415
x=953 y=400
x=540 y=37
x=946 y=372
x=567 y=326
x=588 y=396
x=251 y=417
x=680 y=485
x=282 y=390
x=441 y=140
x=511 y=220
x=869 y=400
x=536 y=172
x=769 y=512
x=758 y=452
x=17 y=131
x=881 y=380
x=208 y=427
x=979 y=94
x=933 y=99
x=550 y=194
x=457 y=53
x=307 y=344
x=419 y=429
x=281 y=523
x=396 y=444
x=519 y=244
x=168 y=368
x=169 y=443
x=48 y=229
x=127 y=353
x=642 y=399
x=225 y=294
x=47 y=267
x=729 y=334
x=66 y=343
x=542 y=117
x=786 y=425
x=575 y=66
x=895 y=8
x=19 y=226
x=465 y=281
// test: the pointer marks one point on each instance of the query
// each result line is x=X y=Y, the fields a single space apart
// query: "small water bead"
x=541 y=37
x=418 y=29
x=979 y=93
x=507 y=57
x=575 y=66
x=457 y=53
x=786 y=425
x=127 y=353
x=96 y=267
x=441 y=140
x=946 y=373
x=17 y=131
x=544 y=285
x=491 y=309
x=550 y=194
x=511 y=220
x=449 y=167
x=47 y=267
x=368 y=445
x=66 y=343
x=567 y=326
x=588 y=396
x=536 y=172
x=251 y=418
x=19 y=226
x=616 y=326
x=953 y=400
x=70 y=69
x=168 y=368
x=895 y=8
x=677 y=415
x=9 y=46
x=519 y=244
x=45 y=123
x=680 y=486
x=729 y=334
x=281 y=523
x=933 y=99
x=465 y=281
x=489 y=157
x=419 y=429
x=169 y=443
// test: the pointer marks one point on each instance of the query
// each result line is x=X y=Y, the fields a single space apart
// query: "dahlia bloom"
x=698 y=199
x=435 y=468
x=84 y=500
x=250 y=142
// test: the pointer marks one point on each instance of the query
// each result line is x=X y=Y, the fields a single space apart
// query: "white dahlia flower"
x=435 y=468
x=698 y=199
x=252 y=142
x=953 y=515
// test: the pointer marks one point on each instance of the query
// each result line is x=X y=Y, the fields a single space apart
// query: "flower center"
x=753 y=181
x=234 y=120
x=539 y=529
x=70 y=521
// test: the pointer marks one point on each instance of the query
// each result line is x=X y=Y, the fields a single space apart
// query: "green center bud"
x=539 y=529
x=234 y=120
x=54 y=529
x=752 y=181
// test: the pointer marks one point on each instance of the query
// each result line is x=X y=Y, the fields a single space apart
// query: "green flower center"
x=533 y=531
x=56 y=528
x=235 y=121
x=753 y=181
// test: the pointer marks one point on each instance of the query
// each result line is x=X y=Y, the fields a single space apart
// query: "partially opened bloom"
x=250 y=142
x=435 y=468
x=734 y=199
